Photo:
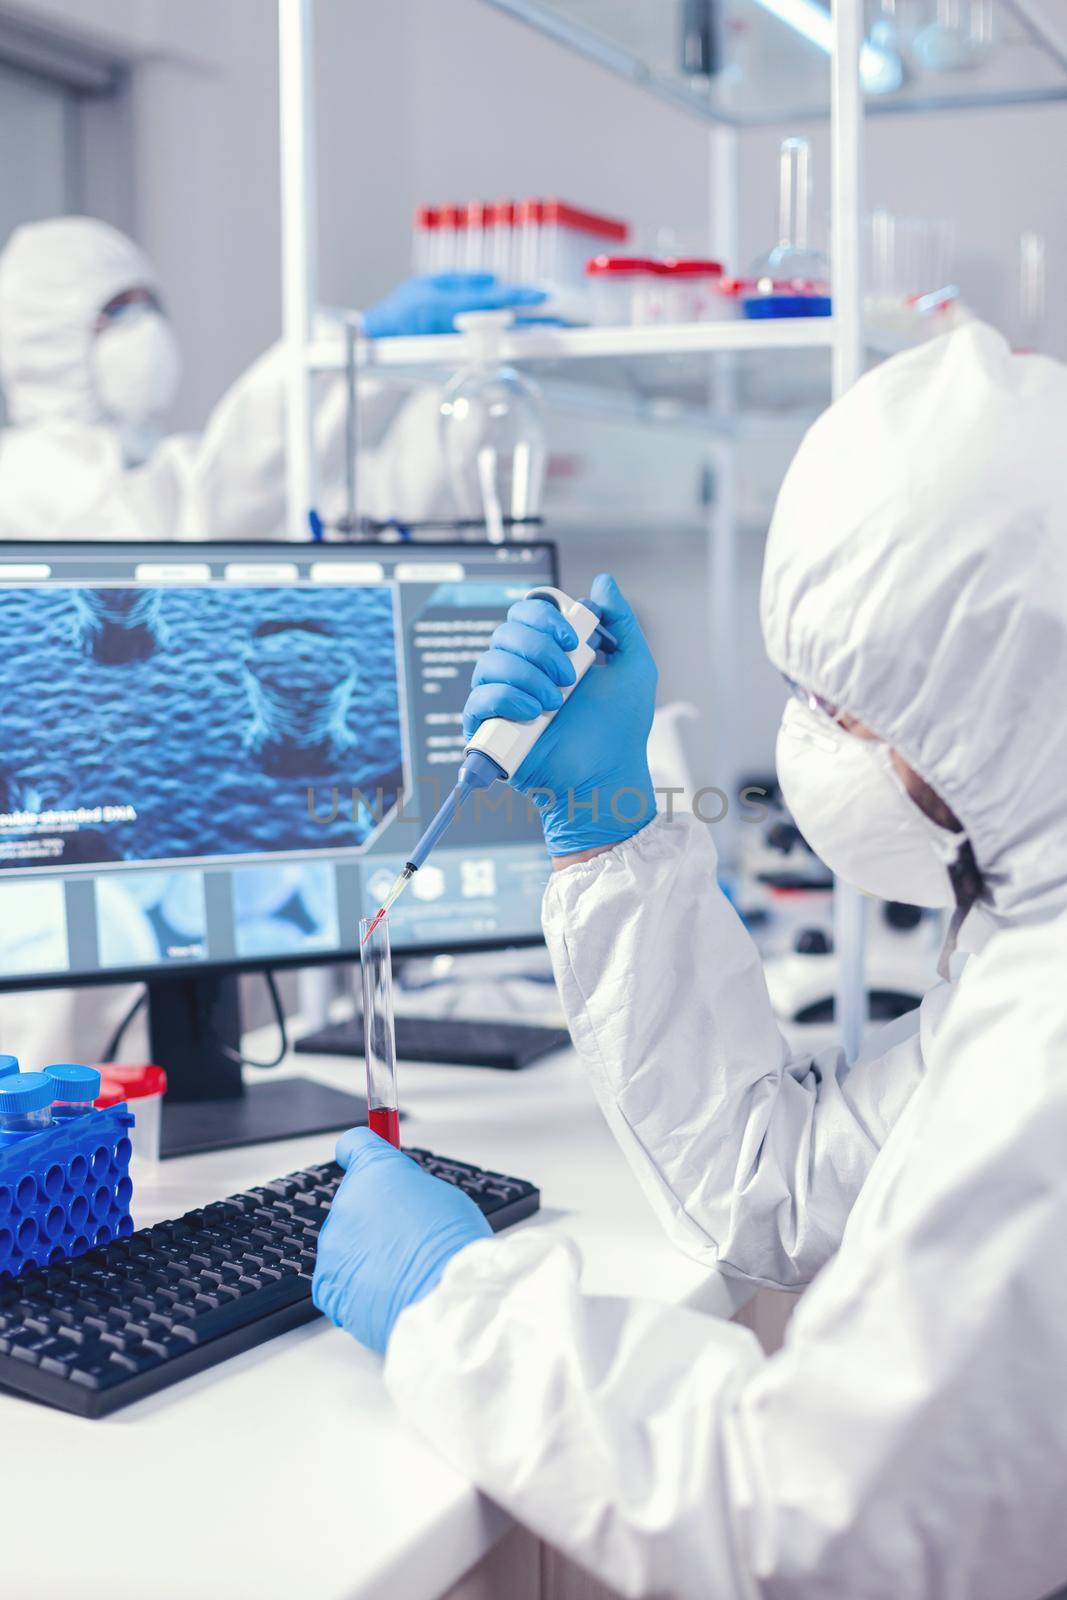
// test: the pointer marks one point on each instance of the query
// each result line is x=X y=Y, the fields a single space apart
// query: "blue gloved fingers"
x=615 y=610
x=483 y=291
x=519 y=639
x=500 y=666
x=450 y=281
x=497 y=700
x=500 y=296
x=542 y=614
x=359 y=1145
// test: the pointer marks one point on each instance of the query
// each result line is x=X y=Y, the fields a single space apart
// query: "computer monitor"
x=214 y=758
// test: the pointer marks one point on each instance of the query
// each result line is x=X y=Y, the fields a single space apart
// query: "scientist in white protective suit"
x=908 y=1441
x=89 y=366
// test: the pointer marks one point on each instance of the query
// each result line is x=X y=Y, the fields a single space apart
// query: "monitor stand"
x=208 y=1106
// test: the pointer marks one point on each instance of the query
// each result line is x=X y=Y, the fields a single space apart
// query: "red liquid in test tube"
x=385 y=1122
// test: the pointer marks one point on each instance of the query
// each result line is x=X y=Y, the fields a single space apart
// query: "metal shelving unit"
x=765 y=71
x=747 y=63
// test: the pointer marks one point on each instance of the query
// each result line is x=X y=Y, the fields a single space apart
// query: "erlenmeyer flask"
x=792 y=279
x=792 y=260
x=493 y=436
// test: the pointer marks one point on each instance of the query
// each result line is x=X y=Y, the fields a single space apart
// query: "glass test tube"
x=1032 y=299
x=794 y=193
x=379 y=1034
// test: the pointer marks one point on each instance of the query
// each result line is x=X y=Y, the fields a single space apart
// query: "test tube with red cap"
x=475 y=219
x=528 y=216
x=500 y=241
x=424 y=241
x=450 y=236
x=379 y=1033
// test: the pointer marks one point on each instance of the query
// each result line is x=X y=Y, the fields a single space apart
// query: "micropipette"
x=500 y=746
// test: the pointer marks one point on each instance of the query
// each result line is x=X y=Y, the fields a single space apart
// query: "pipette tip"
x=391 y=898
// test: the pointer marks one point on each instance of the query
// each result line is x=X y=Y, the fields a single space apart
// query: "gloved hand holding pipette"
x=588 y=775
x=588 y=771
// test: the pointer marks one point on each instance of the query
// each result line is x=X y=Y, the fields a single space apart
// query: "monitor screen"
x=220 y=754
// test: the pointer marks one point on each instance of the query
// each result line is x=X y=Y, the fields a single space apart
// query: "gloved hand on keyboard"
x=391 y=1231
x=588 y=772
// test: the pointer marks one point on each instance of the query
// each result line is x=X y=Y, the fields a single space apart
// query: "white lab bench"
x=285 y=1472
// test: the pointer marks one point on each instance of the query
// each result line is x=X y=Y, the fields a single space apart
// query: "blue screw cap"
x=8 y=1064
x=72 y=1081
x=30 y=1091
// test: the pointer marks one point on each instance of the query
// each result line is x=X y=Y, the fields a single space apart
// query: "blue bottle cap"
x=8 y=1064
x=30 y=1091
x=74 y=1082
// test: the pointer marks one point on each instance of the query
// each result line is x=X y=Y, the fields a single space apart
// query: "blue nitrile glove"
x=593 y=754
x=391 y=1231
x=429 y=305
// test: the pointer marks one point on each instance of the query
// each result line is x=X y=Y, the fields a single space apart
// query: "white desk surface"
x=285 y=1472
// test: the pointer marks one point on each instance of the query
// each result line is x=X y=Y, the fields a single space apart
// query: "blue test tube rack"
x=64 y=1190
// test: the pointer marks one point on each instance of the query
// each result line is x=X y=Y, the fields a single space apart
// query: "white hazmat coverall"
x=908 y=1441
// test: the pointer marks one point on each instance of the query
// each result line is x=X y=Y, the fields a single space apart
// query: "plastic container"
x=8 y=1065
x=534 y=241
x=625 y=289
x=63 y=1189
x=690 y=291
x=567 y=238
x=142 y=1087
x=25 y=1103
x=76 y=1088
x=907 y=273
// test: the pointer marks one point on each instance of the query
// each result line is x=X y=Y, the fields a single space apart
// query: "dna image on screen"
x=164 y=724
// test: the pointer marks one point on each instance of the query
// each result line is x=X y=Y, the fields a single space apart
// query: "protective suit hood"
x=55 y=279
x=916 y=577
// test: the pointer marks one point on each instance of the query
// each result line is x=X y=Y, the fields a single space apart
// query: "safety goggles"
x=130 y=302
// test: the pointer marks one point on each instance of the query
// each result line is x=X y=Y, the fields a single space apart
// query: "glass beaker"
x=493 y=435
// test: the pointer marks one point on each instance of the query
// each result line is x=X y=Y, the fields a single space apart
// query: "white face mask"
x=136 y=366
x=855 y=813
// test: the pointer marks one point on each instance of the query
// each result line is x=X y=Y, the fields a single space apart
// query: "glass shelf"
x=668 y=372
x=738 y=62
x=669 y=368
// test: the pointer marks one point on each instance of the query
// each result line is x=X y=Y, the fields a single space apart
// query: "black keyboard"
x=134 y=1316
x=451 y=1040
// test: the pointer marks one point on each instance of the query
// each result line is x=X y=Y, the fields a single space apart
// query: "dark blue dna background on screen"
x=158 y=724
